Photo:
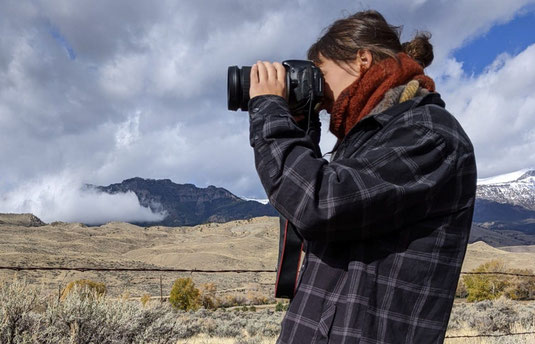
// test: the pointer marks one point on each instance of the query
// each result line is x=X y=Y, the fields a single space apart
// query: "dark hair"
x=369 y=30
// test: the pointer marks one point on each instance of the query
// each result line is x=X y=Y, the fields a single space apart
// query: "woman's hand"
x=267 y=78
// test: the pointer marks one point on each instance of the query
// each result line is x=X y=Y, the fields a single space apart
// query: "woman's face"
x=338 y=76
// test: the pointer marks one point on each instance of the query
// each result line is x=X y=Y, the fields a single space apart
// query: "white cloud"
x=128 y=132
x=497 y=110
x=64 y=198
x=122 y=77
x=145 y=95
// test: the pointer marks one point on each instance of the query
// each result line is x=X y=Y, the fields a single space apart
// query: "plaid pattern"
x=385 y=222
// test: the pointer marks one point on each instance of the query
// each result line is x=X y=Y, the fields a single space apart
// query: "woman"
x=386 y=222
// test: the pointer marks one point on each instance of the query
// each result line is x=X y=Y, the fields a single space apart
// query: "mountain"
x=516 y=188
x=507 y=202
x=186 y=204
x=501 y=237
x=504 y=213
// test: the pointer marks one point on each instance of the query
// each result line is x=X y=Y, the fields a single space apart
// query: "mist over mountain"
x=186 y=204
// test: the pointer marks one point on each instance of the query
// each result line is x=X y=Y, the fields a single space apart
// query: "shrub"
x=521 y=287
x=486 y=287
x=184 y=295
x=207 y=296
x=492 y=317
x=490 y=287
x=281 y=307
x=145 y=298
x=257 y=298
x=17 y=301
x=461 y=291
x=86 y=287
x=232 y=300
x=88 y=320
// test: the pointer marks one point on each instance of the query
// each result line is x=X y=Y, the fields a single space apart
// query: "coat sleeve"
x=367 y=195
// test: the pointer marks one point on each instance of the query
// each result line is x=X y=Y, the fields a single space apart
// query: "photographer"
x=386 y=222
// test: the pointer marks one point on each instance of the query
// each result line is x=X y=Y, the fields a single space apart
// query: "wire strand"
x=490 y=335
x=22 y=268
x=83 y=268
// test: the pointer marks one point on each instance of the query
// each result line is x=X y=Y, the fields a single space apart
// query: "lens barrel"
x=238 y=88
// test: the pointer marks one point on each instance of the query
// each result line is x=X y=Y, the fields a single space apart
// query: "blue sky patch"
x=512 y=37
x=54 y=32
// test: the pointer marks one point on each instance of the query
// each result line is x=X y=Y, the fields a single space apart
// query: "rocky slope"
x=507 y=202
x=516 y=188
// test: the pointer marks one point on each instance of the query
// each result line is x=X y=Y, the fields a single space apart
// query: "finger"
x=271 y=71
x=254 y=74
x=262 y=72
x=281 y=72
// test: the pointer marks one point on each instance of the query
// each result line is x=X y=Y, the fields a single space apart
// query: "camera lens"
x=238 y=87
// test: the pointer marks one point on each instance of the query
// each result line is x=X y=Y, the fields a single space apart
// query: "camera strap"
x=290 y=248
x=290 y=245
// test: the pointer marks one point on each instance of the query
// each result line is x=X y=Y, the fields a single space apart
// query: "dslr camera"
x=304 y=86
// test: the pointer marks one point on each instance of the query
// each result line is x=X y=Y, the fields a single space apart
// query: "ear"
x=364 y=59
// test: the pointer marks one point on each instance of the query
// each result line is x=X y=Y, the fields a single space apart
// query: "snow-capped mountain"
x=516 y=188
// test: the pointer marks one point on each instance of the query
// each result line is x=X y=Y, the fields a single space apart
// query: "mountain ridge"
x=187 y=204
x=516 y=188
x=506 y=202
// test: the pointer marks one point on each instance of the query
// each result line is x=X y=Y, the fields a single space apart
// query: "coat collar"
x=384 y=117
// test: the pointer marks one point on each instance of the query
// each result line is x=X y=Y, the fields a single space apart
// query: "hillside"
x=26 y=220
x=500 y=237
x=242 y=244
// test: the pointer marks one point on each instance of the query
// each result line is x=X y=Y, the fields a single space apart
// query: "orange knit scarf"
x=359 y=98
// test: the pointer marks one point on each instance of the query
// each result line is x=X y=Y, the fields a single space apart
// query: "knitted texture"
x=359 y=98
x=409 y=91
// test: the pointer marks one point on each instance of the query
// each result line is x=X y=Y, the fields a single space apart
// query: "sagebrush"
x=492 y=286
x=26 y=316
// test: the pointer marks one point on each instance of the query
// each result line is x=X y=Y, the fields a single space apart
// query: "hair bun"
x=420 y=49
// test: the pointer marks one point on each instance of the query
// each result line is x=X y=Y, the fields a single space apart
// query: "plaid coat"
x=385 y=222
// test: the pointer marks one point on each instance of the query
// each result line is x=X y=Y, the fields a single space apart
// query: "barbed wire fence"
x=92 y=268
x=119 y=269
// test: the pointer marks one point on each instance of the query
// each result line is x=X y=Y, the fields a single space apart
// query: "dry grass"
x=249 y=244
x=244 y=244
x=502 y=318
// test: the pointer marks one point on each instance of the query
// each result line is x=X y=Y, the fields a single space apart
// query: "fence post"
x=161 y=294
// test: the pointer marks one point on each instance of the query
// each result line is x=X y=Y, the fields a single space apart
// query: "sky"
x=98 y=91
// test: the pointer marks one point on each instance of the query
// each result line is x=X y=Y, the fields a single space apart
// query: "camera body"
x=304 y=86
